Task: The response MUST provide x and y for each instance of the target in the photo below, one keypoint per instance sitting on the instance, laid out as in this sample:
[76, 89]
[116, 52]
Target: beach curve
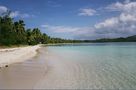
[15, 55]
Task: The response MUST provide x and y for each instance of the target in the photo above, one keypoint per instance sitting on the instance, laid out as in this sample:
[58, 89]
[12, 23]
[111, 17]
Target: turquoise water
[78, 66]
[95, 66]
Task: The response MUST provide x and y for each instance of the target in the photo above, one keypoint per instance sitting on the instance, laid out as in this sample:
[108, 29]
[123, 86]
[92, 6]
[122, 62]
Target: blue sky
[76, 19]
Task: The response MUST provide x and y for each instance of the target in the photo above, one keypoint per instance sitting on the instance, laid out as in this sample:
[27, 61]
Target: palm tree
[20, 32]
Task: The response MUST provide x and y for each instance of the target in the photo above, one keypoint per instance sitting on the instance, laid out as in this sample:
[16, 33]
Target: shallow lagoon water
[78, 66]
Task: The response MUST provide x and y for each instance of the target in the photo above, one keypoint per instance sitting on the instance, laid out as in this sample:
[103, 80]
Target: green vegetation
[15, 33]
[121, 39]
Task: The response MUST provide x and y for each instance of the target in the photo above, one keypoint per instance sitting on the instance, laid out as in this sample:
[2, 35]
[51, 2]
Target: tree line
[120, 39]
[14, 33]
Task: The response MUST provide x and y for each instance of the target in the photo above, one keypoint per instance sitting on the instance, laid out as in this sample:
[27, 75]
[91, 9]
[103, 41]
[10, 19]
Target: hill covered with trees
[121, 39]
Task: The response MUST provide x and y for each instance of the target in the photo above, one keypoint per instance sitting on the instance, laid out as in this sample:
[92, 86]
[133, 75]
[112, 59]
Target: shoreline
[19, 54]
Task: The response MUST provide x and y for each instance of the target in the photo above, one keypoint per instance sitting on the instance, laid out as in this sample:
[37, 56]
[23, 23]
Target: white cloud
[121, 25]
[107, 23]
[86, 12]
[26, 15]
[76, 32]
[127, 6]
[125, 17]
[44, 26]
[127, 1]
[3, 9]
[13, 14]
[124, 24]
[60, 29]
[22, 15]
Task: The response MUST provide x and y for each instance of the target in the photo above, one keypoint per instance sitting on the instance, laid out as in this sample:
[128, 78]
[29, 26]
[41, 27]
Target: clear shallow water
[98, 65]
[80, 66]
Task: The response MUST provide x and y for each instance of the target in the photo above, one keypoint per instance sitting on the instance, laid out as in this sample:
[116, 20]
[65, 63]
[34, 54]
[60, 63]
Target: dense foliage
[15, 33]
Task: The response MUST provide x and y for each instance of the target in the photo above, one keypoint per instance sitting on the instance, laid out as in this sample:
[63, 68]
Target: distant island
[121, 39]
[14, 33]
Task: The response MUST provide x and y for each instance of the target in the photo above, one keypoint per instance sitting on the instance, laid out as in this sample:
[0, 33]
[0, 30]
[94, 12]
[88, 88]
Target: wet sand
[44, 71]
[23, 75]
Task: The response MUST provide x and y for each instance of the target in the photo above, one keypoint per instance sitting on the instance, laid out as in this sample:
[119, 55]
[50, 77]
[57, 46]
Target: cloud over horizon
[119, 26]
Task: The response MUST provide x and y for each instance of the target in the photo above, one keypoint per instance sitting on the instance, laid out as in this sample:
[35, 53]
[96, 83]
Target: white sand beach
[19, 54]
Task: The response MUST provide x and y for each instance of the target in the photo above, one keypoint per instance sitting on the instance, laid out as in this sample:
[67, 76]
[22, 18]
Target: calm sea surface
[78, 66]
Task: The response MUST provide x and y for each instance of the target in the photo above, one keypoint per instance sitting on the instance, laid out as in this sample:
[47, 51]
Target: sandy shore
[14, 55]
